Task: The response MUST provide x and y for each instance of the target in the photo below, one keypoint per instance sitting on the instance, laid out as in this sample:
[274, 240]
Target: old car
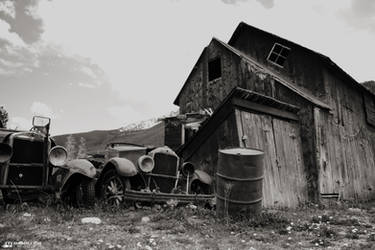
[32, 164]
[133, 172]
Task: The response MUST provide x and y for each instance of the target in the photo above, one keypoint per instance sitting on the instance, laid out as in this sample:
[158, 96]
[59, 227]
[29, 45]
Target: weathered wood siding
[285, 182]
[345, 143]
[302, 67]
[199, 93]
[257, 79]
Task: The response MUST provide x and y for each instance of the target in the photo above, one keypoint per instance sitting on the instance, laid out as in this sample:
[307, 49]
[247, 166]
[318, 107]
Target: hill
[97, 139]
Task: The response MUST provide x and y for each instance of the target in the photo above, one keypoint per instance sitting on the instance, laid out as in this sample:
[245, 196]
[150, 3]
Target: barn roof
[326, 60]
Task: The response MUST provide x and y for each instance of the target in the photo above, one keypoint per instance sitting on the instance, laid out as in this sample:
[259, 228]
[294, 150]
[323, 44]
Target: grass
[58, 226]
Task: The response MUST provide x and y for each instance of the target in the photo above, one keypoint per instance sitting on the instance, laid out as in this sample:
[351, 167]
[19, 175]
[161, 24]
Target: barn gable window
[214, 69]
[278, 54]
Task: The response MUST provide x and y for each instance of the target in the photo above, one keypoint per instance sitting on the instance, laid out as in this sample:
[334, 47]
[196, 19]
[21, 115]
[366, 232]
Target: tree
[82, 149]
[70, 146]
[3, 117]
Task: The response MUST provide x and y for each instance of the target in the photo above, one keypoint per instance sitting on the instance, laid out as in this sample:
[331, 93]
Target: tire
[84, 193]
[5, 197]
[11, 198]
[112, 188]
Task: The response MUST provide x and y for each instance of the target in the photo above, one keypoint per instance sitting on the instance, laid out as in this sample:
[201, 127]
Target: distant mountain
[370, 85]
[141, 125]
[150, 133]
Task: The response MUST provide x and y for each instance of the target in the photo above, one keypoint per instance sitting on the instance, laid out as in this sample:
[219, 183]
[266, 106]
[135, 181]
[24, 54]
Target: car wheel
[10, 198]
[113, 187]
[84, 193]
[5, 197]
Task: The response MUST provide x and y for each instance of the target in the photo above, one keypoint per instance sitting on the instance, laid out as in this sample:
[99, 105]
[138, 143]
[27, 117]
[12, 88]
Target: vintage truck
[137, 173]
[32, 164]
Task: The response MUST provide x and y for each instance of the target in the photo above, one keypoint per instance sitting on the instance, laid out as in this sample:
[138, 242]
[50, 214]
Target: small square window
[278, 54]
[214, 69]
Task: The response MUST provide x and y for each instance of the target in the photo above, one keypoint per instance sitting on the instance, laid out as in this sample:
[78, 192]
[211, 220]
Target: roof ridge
[327, 59]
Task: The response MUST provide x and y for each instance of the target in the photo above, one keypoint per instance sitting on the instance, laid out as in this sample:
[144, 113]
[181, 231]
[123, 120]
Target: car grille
[25, 151]
[26, 164]
[165, 165]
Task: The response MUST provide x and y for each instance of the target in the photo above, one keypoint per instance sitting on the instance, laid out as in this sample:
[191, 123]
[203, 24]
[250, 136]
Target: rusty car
[31, 164]
[137, 173]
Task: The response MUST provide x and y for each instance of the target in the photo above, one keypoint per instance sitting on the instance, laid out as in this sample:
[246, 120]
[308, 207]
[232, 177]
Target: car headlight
[188, 169]
[58, 156]
[146, 163]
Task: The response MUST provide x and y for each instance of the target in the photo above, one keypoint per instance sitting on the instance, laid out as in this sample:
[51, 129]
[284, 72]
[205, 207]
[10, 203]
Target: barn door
[284, 181]
[329, 172]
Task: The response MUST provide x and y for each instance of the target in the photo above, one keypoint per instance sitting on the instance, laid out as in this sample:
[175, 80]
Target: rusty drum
[239, 181]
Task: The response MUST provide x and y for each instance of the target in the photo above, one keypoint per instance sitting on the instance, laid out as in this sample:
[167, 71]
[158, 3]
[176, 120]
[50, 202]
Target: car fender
[165, 150]
[78, 168]
[202, 177]
[123, 166]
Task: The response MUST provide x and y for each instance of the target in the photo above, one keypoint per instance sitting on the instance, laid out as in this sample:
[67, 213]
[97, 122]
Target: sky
[104, 64]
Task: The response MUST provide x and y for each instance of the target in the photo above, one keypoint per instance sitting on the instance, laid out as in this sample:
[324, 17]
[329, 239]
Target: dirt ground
[37, 226]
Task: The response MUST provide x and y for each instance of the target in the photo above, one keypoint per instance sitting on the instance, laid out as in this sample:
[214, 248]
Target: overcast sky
[104, 64]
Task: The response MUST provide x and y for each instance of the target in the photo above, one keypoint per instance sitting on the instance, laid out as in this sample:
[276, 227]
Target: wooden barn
[314, 122]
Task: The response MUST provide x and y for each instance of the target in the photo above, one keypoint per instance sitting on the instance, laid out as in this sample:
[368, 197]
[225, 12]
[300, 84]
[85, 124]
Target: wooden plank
[264, 109]
[272, 187]
[241, 134]
[326, 185]
[289, 157]
[282, 164]
[258, 129]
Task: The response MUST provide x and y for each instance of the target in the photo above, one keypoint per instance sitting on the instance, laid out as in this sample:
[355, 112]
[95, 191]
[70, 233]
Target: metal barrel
[239, 181]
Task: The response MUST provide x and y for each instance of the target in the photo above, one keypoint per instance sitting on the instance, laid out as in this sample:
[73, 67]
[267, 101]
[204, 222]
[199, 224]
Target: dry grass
[60, 227]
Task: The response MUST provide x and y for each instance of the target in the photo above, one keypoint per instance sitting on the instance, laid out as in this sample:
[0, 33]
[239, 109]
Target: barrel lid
[241, 151]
